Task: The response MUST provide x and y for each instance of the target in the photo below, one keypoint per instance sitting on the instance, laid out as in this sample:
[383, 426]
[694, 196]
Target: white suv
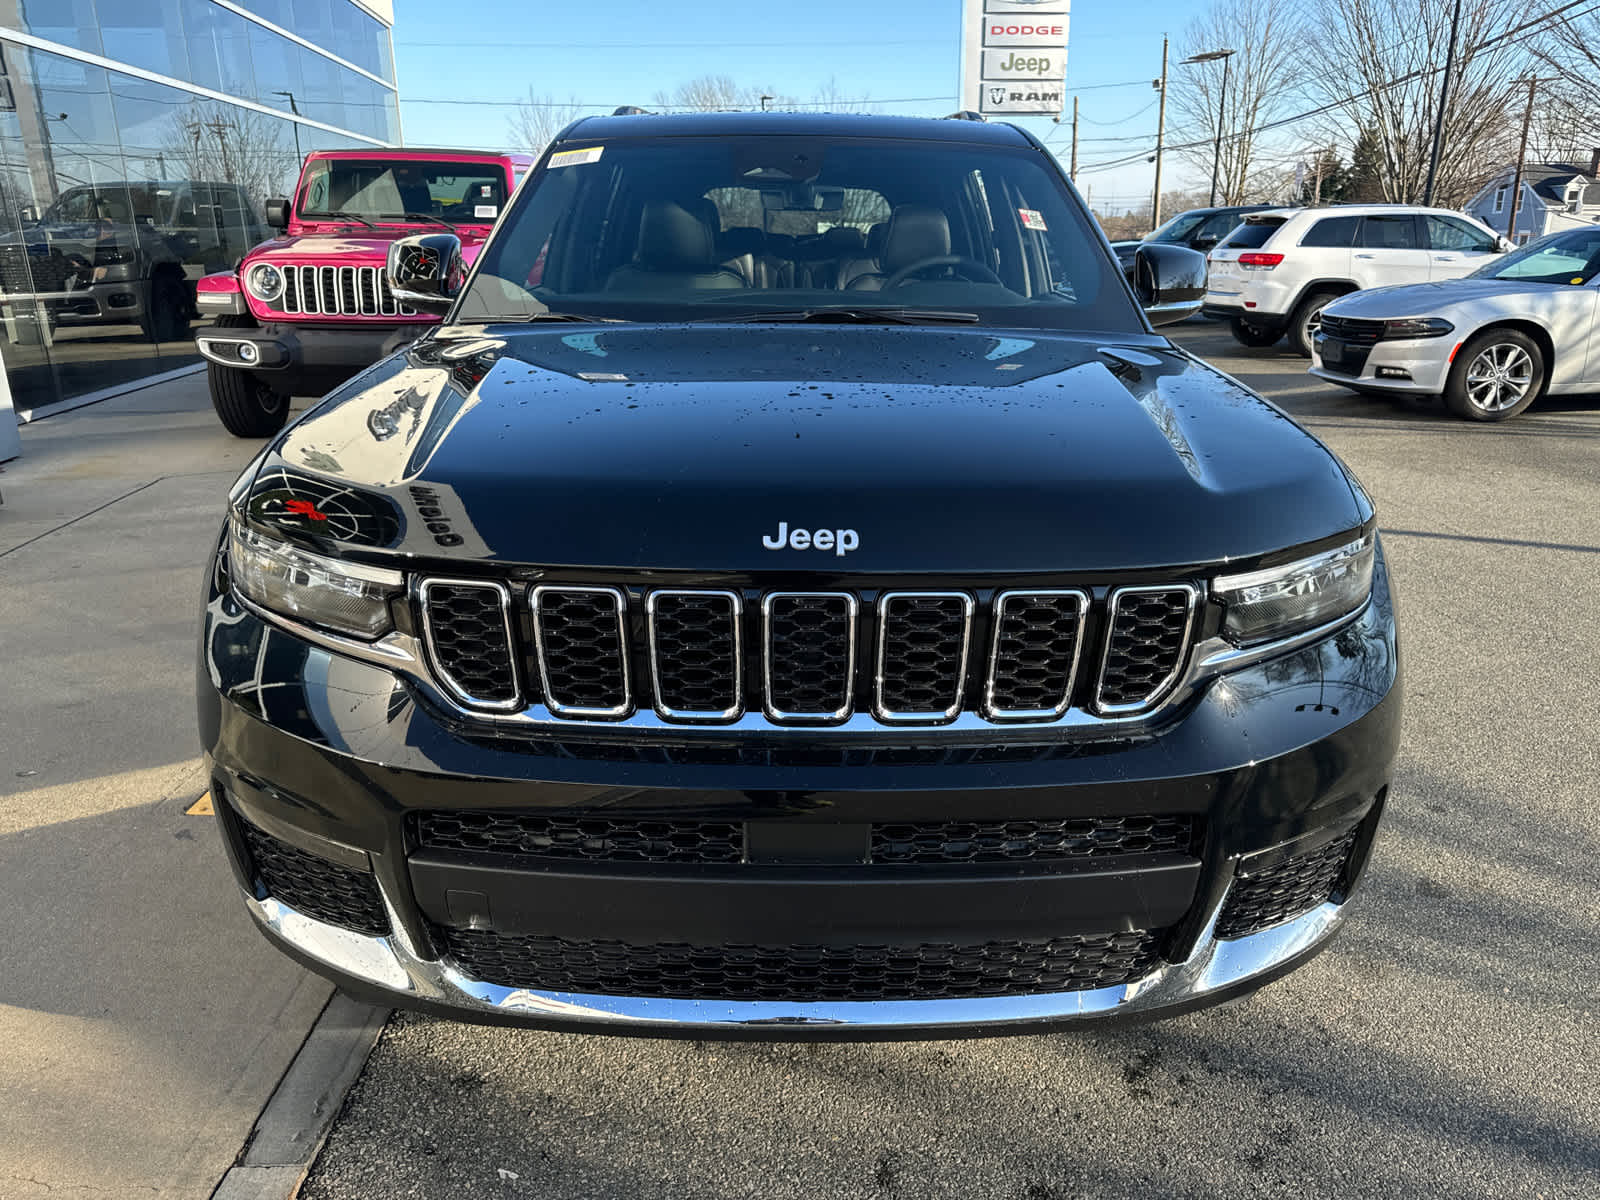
[1275, 273]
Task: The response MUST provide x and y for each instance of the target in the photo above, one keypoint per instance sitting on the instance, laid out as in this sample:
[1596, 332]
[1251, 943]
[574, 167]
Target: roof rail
[966, 114]
[631, 110]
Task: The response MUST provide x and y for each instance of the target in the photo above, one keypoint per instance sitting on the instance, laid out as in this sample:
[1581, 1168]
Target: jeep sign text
[840, 541]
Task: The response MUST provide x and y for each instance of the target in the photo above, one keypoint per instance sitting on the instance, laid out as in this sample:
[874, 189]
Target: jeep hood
[683, 447]
[347, 248]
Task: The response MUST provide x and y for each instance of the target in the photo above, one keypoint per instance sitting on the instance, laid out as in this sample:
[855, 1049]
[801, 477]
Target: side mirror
[278, 213]
[28, 214]
[1504, 245]
[1170, 281]
[426, 271]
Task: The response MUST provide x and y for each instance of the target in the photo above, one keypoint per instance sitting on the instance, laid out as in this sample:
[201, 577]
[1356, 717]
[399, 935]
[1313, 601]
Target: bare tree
[1380, 64]
[222, 143]
[1262, 74]
[1567, 123]
[720, 93]
[538, 119]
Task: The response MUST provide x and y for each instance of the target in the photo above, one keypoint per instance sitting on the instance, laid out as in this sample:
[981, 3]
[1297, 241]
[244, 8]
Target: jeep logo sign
[1014, 55]
[840, 541]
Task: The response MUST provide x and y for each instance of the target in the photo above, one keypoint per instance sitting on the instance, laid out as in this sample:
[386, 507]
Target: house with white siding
[1555, 196]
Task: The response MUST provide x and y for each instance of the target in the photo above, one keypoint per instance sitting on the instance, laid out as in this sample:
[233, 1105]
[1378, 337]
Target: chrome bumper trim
[392, 963]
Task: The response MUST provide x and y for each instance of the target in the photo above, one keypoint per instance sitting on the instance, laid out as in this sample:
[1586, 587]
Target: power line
[1375, 90]
[610, 104]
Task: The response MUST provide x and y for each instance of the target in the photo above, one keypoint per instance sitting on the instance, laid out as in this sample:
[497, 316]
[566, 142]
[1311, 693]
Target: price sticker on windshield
[1032, 219]
[576, 158]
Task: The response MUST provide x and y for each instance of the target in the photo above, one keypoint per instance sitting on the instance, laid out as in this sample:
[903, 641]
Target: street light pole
[1222, 112]
[295, 109]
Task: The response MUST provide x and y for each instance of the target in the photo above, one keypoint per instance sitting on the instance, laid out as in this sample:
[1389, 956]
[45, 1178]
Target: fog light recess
[1393, 373]
[248, 352]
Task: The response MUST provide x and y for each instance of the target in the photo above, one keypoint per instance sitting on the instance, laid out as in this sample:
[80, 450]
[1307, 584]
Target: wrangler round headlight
[344, 597]
[265, 282]
[1278, 602]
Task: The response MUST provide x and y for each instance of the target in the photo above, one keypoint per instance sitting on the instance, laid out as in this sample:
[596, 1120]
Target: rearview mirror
[1170, 281]
[278, 213]
[1206, 242]
[426, 271]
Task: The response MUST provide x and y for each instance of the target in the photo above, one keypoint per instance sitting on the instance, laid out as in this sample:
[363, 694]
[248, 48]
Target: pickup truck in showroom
[796, 591]
[306, 310]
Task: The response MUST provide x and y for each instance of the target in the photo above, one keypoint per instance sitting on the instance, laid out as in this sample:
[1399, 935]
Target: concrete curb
[296, 1120]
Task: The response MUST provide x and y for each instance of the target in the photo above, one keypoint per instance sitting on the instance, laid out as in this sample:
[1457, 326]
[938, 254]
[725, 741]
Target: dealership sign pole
[1014, 56]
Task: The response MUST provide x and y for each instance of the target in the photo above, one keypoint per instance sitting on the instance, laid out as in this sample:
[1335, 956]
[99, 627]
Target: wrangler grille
[715, 655]
[339, 292]
[914, 971]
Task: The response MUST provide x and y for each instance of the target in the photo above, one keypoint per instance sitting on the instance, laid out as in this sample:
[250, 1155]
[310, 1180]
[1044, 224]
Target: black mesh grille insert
[925, 971]
[314, 886]
[1030, 841]
[581, 650]
[1036, 643]
[922, 653]
[1144, 646]
[810, 644]
[593, 839]
[695, 648]
[1353, 329]
[466, 626]
[1259, 900]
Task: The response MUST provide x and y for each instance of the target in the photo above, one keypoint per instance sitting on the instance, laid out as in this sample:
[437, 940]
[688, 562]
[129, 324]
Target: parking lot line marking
[201, 807]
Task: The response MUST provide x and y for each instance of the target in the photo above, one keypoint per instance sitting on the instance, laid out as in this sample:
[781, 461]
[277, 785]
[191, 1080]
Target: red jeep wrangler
[307, 310]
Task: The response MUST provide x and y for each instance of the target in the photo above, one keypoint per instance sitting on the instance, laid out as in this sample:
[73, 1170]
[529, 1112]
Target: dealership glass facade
[139, 141]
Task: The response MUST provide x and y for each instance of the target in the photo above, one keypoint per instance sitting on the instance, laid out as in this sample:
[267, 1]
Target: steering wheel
[975, 271]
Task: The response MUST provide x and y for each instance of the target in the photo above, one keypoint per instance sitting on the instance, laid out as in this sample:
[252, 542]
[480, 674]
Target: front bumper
[322, 355]
[1425, 361]
[338, 759]
[111, 302]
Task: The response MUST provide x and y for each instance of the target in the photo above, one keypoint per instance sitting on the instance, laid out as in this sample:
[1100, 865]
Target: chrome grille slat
[338, 291]
[1146, 641]
[808, 656]
[696, 653]
[581, 640]
[928, 635]
[470, 641]
[1034, 653]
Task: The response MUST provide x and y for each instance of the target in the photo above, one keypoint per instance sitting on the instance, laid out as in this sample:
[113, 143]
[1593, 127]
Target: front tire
[247, 407]
[1307, 319]
[1496, 376]
[1250, 335]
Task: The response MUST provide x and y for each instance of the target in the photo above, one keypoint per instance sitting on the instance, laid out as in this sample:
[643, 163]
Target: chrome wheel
[1499, 377]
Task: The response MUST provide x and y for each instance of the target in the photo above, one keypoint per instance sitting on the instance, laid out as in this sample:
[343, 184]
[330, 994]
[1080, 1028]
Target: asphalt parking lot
[1446, 1045]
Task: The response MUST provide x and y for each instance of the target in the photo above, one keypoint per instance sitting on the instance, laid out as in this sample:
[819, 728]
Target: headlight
[265, 282]
[1417, 327]
[341, 596]
[1280, 601]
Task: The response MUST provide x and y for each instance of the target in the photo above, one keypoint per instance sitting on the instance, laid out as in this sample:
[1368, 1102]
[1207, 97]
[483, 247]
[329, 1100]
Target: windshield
[700, 228]
[1571, 258]
[386, 191]
[1178, 229]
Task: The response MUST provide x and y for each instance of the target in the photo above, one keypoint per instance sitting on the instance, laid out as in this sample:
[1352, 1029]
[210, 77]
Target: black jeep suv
[795, 593]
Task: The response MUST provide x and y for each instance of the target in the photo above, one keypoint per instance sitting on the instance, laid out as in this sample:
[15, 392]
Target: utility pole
[1073, 173]
[1522, 155]
[1316, 188]
[1161, 133]
[1444, 96]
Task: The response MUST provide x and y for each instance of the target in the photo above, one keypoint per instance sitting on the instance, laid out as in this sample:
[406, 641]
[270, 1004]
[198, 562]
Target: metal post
[1073, 173]
[1222, 113]
[1444, 96]
[1522, 155]
[1161, 133]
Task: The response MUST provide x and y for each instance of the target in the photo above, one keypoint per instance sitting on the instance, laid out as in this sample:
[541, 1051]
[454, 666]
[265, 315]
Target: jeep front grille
[713, 656]
[339, 292]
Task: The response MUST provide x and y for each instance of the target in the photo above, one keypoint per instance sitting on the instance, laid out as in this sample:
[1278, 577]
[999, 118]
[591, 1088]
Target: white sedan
[1520, 327]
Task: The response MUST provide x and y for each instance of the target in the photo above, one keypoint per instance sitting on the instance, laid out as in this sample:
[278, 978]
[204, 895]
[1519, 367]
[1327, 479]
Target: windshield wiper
[430, 217]
[854, 316]
[341, 216]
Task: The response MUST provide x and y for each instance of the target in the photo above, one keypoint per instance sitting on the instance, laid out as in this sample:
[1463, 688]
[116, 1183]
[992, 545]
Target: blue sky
[904, 53]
